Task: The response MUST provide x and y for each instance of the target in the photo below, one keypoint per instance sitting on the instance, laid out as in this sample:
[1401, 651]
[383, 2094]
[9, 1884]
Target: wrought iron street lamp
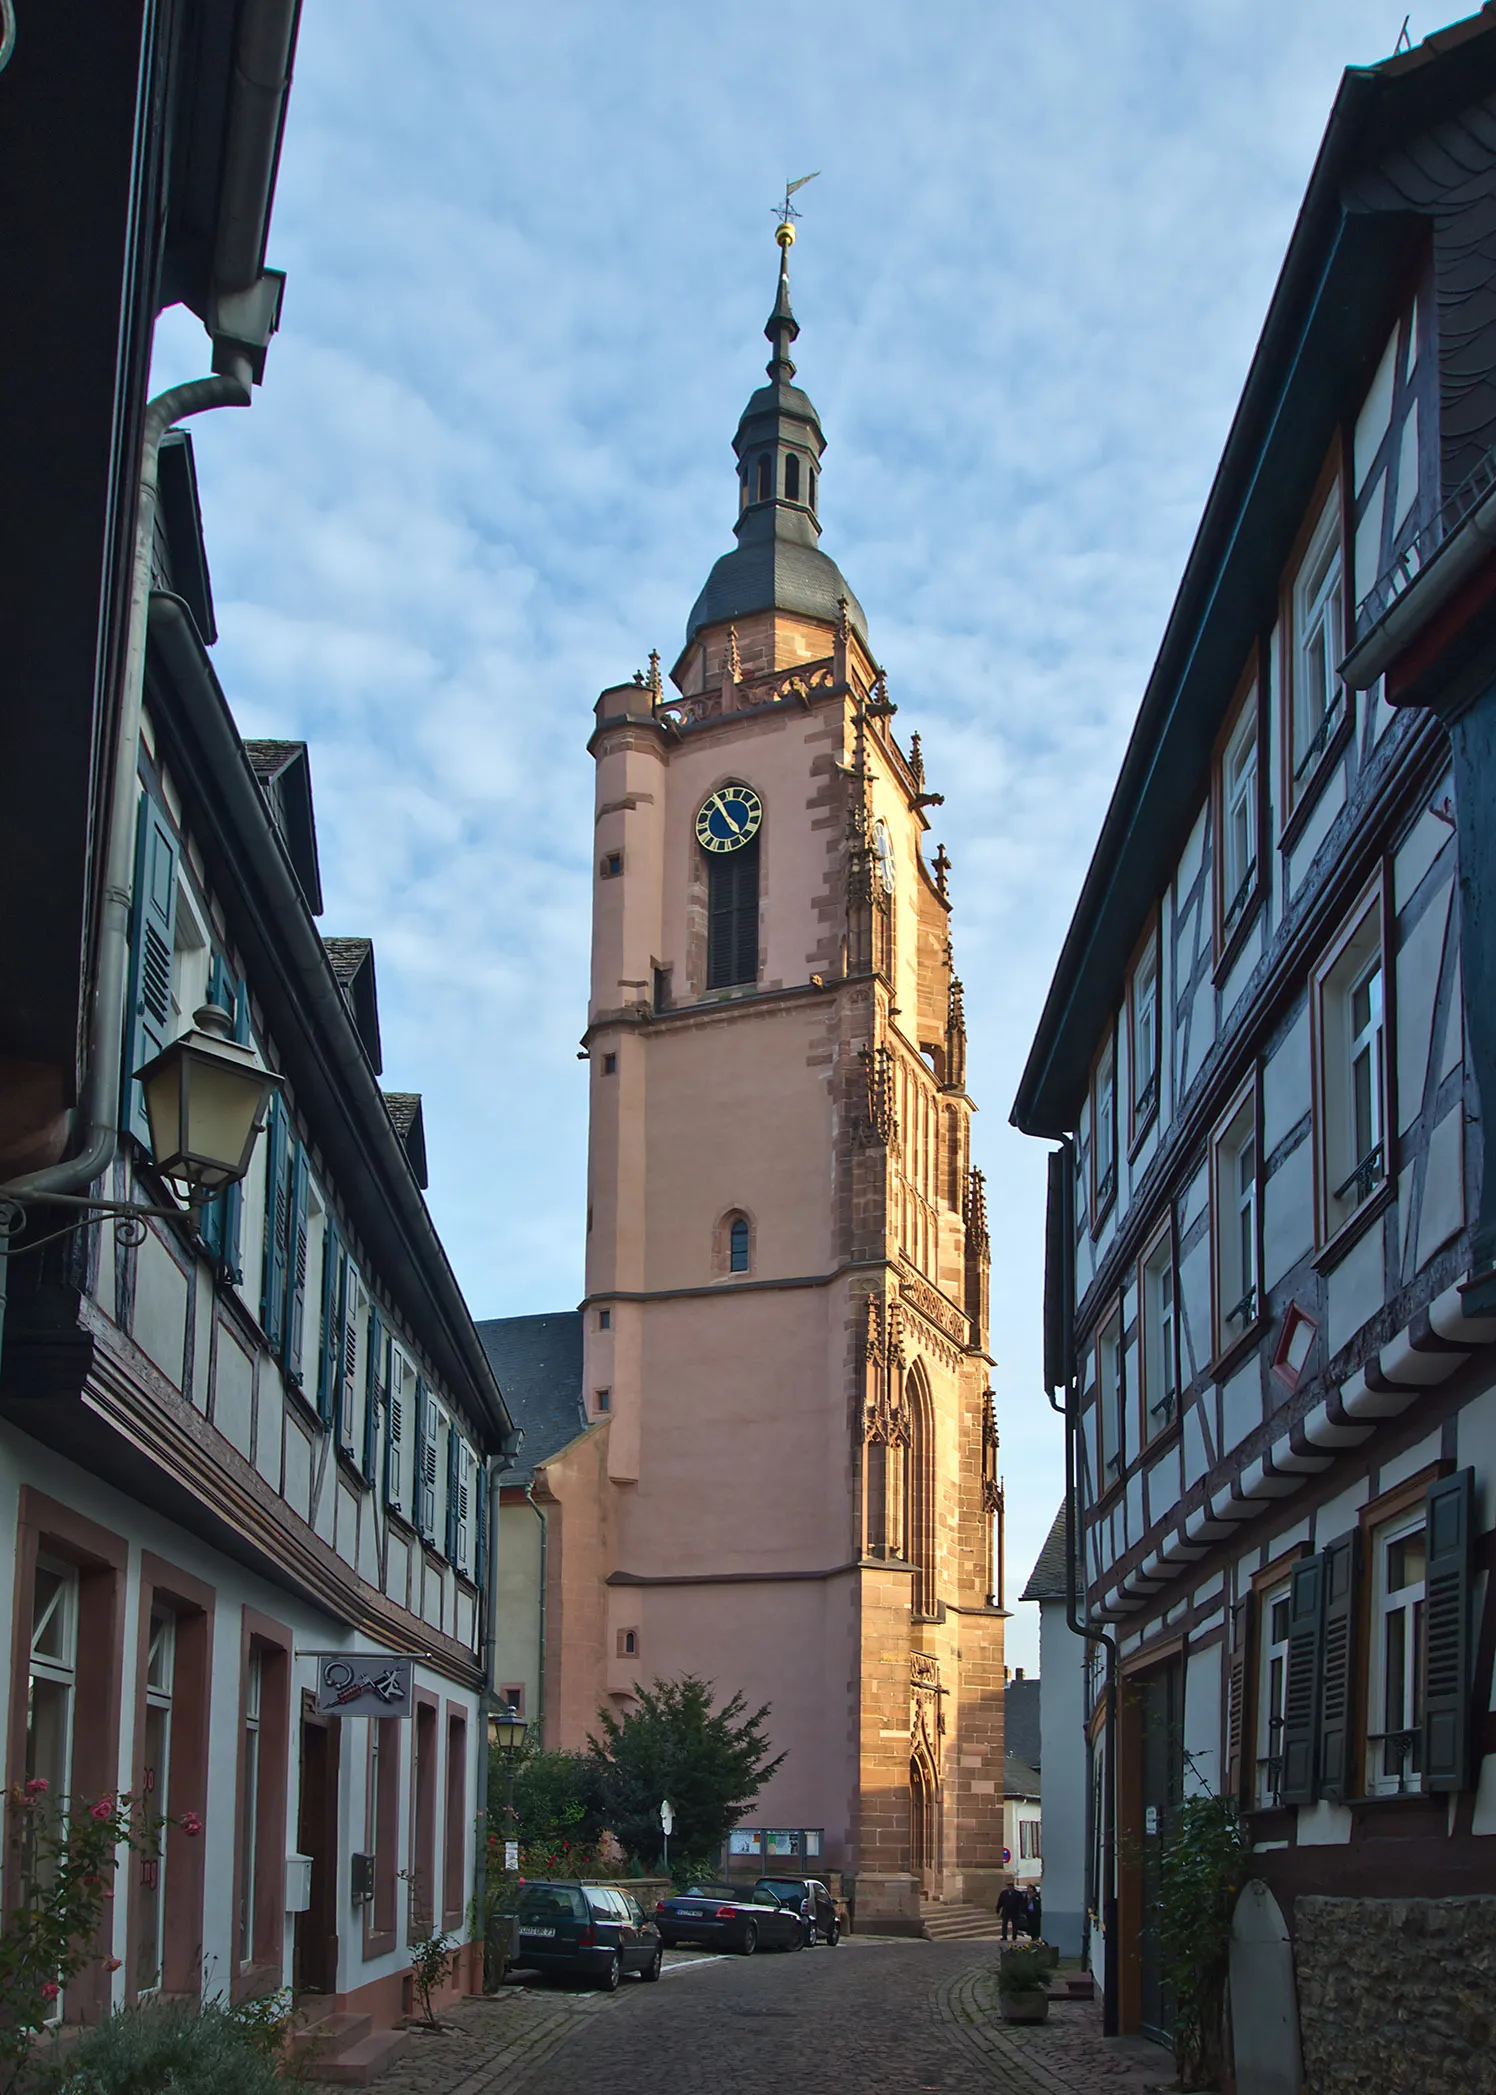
[508, 1734]
[205, 1100]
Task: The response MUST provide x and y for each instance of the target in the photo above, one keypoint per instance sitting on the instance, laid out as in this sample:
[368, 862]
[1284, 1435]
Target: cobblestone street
[871, 2018]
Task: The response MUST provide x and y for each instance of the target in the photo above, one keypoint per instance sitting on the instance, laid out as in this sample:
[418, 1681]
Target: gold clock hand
[735, 827]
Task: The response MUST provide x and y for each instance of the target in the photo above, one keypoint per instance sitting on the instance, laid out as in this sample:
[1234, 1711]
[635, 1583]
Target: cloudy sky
[530, 255]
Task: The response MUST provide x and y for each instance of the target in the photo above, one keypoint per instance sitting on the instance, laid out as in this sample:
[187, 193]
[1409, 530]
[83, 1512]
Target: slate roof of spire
[777, 564]
[537, 1362]
[1047, 1579]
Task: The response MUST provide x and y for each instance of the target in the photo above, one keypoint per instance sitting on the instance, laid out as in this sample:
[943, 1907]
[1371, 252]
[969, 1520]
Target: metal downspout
[545, 1539]
[1069, 1411]
[99, 1106]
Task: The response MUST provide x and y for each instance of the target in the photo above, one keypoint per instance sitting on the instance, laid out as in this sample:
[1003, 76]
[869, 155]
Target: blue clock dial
[729, 819]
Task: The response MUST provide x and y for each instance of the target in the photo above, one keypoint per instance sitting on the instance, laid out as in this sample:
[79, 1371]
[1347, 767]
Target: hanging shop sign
[363, 1684]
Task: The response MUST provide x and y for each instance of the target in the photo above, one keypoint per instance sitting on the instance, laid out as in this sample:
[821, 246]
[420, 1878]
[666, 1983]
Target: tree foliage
[1202, 1867]
[558, 1812]
[711, 1764]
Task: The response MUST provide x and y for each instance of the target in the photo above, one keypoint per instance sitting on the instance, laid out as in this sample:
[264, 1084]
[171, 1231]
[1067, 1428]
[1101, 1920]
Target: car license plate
[693, 1912]
[537, 1931]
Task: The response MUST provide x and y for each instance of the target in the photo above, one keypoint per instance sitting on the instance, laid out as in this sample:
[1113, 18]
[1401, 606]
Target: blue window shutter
[1337, 1671]
[1449, 1581]
[277, 1226]
[296, 1252]
[374, 1384]
[425, 1464]
[454, 1489]
[330, 1351]
[480, 1510]
[396, 1429]
[152, 938]
[1306, 1598]
[348, 1364]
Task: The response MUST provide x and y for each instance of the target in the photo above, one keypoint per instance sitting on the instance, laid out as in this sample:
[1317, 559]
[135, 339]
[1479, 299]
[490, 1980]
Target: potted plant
[1023, 1984]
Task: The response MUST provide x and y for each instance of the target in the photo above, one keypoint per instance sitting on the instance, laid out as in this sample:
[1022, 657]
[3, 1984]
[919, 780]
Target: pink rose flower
[112, 1963]
[51, 1990]
[192, 1825]
[104, 1809]
[37, 1786]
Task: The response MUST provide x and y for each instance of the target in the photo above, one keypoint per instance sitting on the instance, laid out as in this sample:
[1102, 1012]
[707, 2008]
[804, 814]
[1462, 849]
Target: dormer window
[791, 478]
[765, 478]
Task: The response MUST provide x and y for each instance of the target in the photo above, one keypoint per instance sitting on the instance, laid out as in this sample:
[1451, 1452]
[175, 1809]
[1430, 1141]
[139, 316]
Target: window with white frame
[249, 1807]
[1239, 818]
[1394, 1718]
[156, 1781]
[400, 1430]
[1029, 1849]
[1111, 1452]
[1272, 1685]
[1160, 1339]
[52, 1693]
[1238, 1303]
[1104, 1127]
[1353, 1073]
[1143, 1010]
[1318, 642]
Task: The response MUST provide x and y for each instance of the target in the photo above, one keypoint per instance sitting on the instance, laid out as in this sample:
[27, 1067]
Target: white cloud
[528, 264]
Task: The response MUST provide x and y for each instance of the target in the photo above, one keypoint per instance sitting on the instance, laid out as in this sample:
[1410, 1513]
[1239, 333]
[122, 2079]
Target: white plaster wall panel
[1192, 1443]
[1137, 1519]
[1288, 1214]
[324, 1490]
[160, 1326]
[1316, 829]
[1405, 1218]
[1192, 1200]
[1285, 1083]
[1484, 1819]
[1353, 1289]
[1453, 1053]
[1163, 1479]
[1385, 715]
[1408, 1463]
[397, 1568]
[1193, 854]
[1369, 537]
[345, 1532]
[1215, 1620]
[270, 1423]
[1212, 1589]
[1417, 988]
[1241, 1405]
[1283, 1539]
[1202, 1029]
[1407, 469]
[1241, 969]
[431, 1597]
[1194, 1302]
[1147, 1149]
[1443, 1209]
[1372, 424]
[1475, 1426]
[467, 1617]
[297, 1491]
[1324, 1825]
[205, 1311]
[233, 1392]
[368, 1542]
[1417, 852]
[1338, 1514]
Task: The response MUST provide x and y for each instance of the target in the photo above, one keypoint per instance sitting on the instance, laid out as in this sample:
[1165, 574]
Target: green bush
[170, 2048]
[1023, 1971]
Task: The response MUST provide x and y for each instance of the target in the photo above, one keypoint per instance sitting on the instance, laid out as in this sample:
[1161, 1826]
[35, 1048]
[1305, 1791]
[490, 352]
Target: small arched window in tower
[791, 478]
[737, 1245]
[732, 917]
[765, 477]
[810, 474]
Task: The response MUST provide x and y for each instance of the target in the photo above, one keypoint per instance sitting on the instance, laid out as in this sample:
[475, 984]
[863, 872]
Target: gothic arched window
[765, 477]
[732, 917]
[737, 1245]
[810, 474]
[919, 1491]
[791, 478]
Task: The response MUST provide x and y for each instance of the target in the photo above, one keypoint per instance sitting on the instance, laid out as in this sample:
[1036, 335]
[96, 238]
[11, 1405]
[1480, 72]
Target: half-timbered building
[1269, 1294]
[239, 1438]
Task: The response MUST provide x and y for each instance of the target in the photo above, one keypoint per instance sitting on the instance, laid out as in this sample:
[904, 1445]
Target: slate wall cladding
[1397, 1996]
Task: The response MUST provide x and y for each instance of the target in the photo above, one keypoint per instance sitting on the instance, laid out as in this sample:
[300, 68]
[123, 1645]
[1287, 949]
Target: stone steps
[343, 2048]
[957, 1923]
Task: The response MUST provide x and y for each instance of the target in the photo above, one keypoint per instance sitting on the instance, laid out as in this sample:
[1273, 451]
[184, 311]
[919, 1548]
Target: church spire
[782, 328]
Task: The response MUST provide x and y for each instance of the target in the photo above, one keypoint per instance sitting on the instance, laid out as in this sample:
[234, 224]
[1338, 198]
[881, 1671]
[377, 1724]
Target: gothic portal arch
[924, 1818]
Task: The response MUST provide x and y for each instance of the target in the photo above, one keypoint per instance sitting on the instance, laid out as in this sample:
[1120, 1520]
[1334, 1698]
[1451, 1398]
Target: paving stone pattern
[870, 2018]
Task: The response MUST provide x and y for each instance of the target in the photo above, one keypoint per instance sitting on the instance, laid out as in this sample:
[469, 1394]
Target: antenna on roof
[1404, 40]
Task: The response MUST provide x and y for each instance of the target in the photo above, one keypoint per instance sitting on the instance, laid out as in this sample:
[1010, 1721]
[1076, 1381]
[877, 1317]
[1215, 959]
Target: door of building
[315, 1954]
[1160, 1712]
[921, 1826]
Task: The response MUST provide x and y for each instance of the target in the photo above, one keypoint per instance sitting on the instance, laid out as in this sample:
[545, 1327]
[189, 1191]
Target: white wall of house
[1062, 1732]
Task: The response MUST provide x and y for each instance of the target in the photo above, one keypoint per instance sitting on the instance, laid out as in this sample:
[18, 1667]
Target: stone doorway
[922, 1825]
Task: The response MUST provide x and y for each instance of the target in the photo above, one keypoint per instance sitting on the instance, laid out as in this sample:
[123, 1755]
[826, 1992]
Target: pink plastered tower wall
[799, 1461]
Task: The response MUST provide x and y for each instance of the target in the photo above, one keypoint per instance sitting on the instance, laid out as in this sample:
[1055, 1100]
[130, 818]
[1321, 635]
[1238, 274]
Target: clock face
[728, 820]
[883, 845]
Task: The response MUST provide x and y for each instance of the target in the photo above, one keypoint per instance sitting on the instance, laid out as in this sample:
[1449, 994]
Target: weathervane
[786, 212]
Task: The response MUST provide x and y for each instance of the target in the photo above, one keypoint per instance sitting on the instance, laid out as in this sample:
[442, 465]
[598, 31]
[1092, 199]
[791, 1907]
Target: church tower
[786, 1308]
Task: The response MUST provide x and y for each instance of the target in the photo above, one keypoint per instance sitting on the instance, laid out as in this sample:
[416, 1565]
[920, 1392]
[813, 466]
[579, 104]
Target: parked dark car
[813, 1902]
[585, 1931]
[721, 1917]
